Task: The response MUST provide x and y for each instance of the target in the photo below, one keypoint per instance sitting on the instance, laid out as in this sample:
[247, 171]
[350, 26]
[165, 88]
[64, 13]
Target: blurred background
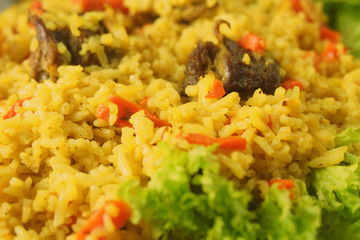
[343, 15]
[5, 3]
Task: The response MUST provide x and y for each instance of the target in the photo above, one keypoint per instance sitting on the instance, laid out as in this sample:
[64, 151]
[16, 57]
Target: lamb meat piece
[226, 62]
[239, 76]
[45, 60]
[200, 60]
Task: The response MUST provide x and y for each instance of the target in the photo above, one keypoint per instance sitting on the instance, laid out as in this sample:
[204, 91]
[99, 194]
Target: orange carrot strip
[157, 121]
[36, 8]
[330, 53]
[253, 43]
[11, 113]
[99, 5]
[194, 138]
[291, 83]
[145, 100]
[228, 122]
[97, 219]
[296, 5]
[125, 110]
[232, 143]
[283, 184]
[269, 123]
[217, 90]
[327, 33]
[103, 112]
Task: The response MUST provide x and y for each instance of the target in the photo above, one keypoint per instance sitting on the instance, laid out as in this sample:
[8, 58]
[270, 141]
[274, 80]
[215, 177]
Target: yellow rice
[58, 160]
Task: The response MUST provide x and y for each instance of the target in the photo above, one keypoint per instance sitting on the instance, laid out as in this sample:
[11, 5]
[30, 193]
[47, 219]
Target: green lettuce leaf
[338, 192]
[188, 198]
[338, 187]
[283, 218]
[349, 135]
[336, 227]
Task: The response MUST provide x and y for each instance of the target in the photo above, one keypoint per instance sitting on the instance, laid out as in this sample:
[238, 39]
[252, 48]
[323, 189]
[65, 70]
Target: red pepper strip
[97, 219]
[227, 143]
[283, 184]
[99, 5]
[125, 110]
[253, 43]
[36, 8]
[269, 123]
[291, 83]
[330, 53]
[217, 90]
[11, 113]
[327, 33]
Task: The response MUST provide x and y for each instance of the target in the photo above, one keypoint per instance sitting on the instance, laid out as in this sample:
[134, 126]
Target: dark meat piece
[238, 76]
[200, 60]
[45, 60]
[226, 61]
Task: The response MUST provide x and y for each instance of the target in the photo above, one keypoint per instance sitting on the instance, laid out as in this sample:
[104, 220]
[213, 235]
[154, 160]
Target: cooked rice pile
[59, 162]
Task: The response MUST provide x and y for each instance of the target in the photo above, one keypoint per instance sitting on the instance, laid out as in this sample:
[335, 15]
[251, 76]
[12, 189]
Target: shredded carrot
[330, 53]
[253, 43]
[297, 6]
[217, 90]
[228, 122]
[11, 113]
[283, 184]
[157, 121]
[97, 219]
[125, 110]
[291, 83]
[99, 5]
[145, 100]
[31, 25]
[103, 112]
[269, 123]
[231, 143]
[327, 33]
[36, 8]
[199, 139]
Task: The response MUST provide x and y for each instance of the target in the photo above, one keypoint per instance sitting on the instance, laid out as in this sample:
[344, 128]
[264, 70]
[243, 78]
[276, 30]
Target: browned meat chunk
[237, 75]
[200, 60]
[45, 60]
